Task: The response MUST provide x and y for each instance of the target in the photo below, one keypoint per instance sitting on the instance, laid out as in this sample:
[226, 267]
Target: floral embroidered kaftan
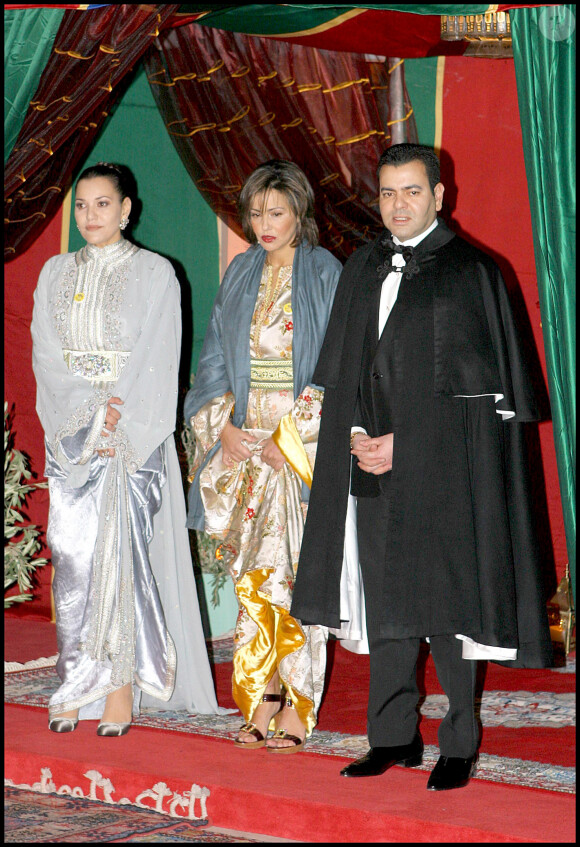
[258, 514]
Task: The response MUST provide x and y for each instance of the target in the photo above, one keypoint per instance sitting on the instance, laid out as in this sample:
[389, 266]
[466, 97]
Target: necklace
[270, 296]
[272, 291]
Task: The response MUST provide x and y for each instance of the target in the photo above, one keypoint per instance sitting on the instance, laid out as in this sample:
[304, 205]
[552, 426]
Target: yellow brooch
[288, 309]
[79, 297]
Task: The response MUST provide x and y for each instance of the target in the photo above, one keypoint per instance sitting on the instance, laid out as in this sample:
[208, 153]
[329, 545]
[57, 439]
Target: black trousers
[393, 692]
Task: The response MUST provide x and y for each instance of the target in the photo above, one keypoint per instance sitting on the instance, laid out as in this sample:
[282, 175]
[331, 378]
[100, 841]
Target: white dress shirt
[390, 288]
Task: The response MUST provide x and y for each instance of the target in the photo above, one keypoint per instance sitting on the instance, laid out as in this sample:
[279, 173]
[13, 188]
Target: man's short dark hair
[402, 154]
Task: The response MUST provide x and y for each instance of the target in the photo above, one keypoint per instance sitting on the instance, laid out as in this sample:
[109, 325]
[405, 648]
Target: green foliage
[209, 563]
[206, 545]
[20, 542]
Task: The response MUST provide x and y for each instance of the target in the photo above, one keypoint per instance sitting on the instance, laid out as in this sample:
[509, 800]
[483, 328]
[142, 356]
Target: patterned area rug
[48, 818]
[33, 686]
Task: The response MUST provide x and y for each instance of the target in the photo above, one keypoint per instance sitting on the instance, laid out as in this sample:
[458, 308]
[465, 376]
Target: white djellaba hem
[352, 632]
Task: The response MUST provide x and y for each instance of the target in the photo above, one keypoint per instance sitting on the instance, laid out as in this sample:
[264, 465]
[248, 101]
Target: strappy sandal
[297, 743]
[252, 729]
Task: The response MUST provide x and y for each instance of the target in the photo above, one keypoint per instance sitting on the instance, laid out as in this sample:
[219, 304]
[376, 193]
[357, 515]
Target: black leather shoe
[451, 772]
[380, 759]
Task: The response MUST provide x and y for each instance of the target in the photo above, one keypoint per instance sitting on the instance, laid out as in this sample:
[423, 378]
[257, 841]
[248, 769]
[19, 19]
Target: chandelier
[488, 34]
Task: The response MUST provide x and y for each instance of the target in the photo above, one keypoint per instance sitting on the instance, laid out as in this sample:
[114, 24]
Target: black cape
[462, 556]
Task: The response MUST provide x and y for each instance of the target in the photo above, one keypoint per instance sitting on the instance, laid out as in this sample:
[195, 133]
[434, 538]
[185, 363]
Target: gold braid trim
[343, 85]
[73, 55]
[399, 120]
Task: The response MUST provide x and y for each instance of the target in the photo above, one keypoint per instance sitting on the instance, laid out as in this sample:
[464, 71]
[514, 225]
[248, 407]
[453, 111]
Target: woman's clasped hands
[235, 448]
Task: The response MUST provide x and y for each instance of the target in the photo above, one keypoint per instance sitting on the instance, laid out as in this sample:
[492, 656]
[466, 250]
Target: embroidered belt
[102, 365]
[271, 373]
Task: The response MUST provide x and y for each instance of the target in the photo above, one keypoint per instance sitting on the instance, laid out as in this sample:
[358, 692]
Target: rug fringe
[11, 667]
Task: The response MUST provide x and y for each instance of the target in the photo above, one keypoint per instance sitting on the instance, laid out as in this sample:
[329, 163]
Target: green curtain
[544, 47]
[175, 220]
[28, 38]
[421, 82]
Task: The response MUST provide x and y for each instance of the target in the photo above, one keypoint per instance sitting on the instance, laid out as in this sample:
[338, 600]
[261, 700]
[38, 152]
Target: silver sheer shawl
[107, 322]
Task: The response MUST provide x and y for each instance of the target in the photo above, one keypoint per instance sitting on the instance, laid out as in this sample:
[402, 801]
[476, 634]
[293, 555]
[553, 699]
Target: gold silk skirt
[258, 514]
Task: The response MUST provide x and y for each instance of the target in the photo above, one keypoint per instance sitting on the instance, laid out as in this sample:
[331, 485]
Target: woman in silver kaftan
[106, 335]
[255, 416]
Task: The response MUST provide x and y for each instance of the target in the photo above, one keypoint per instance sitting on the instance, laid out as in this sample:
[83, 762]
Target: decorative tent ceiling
[387, 29]
[384, 29]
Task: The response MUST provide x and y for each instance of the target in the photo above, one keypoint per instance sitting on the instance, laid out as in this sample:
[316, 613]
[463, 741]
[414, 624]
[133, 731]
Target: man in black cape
[426, 387]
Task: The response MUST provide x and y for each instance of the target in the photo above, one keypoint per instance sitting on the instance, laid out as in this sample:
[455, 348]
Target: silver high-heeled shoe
[108, 728]
[62, 724]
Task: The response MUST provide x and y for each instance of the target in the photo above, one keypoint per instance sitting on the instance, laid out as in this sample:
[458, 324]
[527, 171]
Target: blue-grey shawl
[224, 363]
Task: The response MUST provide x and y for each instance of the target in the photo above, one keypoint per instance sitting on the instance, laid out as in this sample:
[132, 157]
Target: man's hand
[375, 455]
[233, 449]
[272, 455]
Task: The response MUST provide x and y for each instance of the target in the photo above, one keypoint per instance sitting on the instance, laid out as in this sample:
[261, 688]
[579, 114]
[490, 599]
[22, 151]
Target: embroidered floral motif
[243, 622]
[207, 426]
[63, 301]
[116, 287]
[272, 529]
[250, 488]
[304, 408]
[284, 352]
[287, 583]
[130, 457]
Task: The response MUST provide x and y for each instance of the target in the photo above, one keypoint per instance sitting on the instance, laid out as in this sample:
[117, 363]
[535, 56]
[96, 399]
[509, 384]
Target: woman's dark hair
[292, 182]
[120, 176]
[402, 154]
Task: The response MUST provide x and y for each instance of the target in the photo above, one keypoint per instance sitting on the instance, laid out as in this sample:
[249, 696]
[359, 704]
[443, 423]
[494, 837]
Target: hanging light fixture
[488, 34]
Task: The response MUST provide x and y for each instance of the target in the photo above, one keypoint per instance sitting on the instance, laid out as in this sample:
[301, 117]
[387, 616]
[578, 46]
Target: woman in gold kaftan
[255, 415]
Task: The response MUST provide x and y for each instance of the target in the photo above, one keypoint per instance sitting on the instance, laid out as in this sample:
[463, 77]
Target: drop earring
[124, 222]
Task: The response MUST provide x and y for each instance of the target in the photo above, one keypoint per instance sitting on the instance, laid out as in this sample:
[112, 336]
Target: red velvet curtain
[93, 51]
[231, 102]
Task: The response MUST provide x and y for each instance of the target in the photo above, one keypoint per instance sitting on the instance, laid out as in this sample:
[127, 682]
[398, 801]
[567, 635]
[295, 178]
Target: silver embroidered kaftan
[107, 323]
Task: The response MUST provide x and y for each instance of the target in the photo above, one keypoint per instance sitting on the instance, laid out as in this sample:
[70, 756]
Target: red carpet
[303, 797]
